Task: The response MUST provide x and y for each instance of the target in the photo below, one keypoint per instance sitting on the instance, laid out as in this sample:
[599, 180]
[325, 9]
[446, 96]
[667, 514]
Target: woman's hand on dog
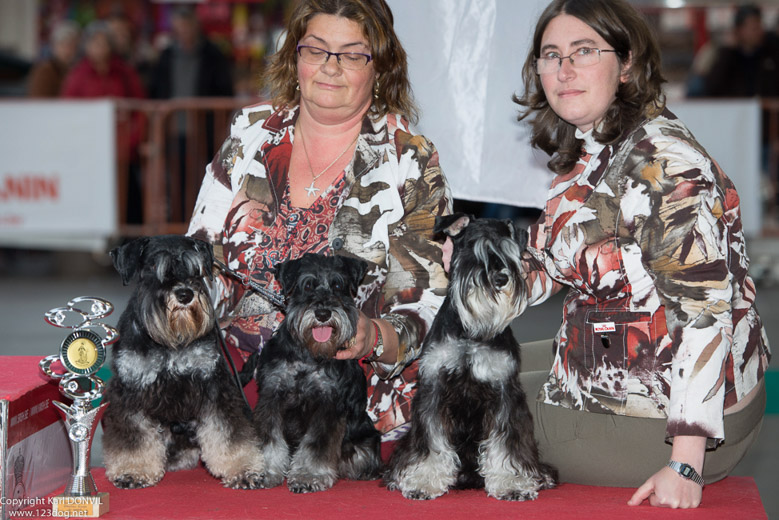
[362, 343]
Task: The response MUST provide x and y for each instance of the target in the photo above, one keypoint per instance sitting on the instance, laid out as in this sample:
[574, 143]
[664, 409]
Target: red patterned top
[293, 233]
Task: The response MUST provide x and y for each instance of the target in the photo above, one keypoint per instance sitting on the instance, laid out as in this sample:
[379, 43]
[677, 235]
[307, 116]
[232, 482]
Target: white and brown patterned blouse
[383, 210]
[660, 317]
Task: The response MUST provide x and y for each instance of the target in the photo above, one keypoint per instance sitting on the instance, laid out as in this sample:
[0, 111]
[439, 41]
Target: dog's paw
[309, 483]
[270, 480]
[418, 494]
[248, 480]
[516, 495]
[128, 481]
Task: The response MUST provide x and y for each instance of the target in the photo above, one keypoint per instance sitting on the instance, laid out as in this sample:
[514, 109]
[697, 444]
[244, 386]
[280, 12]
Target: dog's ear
[519, 234]
[206, 252]
[356, 267]
[127, 258]
[286, 273]
[453, 224]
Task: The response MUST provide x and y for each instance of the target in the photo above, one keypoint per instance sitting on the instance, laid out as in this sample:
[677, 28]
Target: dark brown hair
[389, 57]
[628, 33]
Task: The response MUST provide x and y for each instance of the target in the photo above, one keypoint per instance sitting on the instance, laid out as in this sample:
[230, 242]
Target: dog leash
[272, 296]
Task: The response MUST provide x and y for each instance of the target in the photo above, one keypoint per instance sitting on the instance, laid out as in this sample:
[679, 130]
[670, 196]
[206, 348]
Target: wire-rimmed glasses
[348, 60]
[551, 62]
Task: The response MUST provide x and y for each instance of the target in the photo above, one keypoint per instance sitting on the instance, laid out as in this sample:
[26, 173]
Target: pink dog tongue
[322, 334]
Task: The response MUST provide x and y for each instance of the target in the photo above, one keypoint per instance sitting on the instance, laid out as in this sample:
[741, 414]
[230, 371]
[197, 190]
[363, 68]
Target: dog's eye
[338, 285]
[308, 285]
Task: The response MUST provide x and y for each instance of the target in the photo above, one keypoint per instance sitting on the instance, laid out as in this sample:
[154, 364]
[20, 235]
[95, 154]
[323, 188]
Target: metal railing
[169, 143]
[162, 158]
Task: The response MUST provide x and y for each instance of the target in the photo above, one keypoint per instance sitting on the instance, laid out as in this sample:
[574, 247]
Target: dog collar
[686, 471]
[378, 344]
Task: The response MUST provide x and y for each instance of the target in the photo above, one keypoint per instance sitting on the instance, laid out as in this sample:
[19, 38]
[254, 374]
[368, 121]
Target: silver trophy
[81, 354]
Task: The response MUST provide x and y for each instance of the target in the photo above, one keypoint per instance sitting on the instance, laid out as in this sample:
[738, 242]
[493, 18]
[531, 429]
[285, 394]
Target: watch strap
[378, 343]
[686, 471]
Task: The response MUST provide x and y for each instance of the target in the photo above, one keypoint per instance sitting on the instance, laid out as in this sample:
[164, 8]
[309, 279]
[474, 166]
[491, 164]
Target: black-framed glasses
[348, 60]
[551, 62]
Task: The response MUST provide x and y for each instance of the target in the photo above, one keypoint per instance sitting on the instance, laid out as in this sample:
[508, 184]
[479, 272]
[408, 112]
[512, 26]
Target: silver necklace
[313, 189]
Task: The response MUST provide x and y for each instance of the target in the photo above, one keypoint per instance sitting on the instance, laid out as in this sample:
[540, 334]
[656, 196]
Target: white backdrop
[57, 174]
[465, 62]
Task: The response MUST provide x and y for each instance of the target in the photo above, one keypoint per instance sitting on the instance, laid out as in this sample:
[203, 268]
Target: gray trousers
[614, 450]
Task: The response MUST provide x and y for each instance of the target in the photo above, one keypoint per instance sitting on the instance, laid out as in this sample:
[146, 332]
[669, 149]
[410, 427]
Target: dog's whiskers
[470, 356]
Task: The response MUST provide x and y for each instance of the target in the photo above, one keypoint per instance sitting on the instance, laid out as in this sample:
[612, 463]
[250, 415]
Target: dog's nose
[184, 296]
[322, 315]
[499, 280]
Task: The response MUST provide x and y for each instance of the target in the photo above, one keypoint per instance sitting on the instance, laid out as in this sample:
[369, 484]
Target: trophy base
[68, 506]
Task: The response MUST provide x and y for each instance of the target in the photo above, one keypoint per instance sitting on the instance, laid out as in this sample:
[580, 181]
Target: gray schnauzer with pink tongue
[311, 413]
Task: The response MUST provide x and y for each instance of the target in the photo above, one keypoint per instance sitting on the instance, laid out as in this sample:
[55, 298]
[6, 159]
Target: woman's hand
[362, 342]
[667, 488]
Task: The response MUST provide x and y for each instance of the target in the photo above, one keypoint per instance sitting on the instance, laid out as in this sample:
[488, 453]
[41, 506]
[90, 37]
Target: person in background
[47, 76]
[102, 74]
[332, 166]
[749, 66]
[191, 66]
[136, 51]
[656, 375]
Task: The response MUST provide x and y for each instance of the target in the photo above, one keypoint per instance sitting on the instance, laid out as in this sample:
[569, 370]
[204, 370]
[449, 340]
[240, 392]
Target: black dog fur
[311, 414]
[471, 425]
[172, 399]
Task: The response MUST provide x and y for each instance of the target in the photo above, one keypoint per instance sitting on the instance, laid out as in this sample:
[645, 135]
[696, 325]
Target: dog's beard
[485, 310]
[322, 339]
[174, 324]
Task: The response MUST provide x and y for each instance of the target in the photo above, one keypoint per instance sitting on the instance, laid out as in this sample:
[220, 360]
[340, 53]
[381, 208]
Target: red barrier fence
[164, 147]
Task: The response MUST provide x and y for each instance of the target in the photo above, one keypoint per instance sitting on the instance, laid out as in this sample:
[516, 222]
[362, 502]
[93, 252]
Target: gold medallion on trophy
[82, 352]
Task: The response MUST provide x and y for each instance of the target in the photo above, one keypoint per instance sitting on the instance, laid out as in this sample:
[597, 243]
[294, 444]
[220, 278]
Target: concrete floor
[32, 283]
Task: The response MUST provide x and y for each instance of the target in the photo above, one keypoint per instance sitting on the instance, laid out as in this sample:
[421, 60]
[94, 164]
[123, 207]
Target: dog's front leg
[134, 450]
[508, 458]
[229, 447]
[424, 465]
[268, 423]
[315, 463]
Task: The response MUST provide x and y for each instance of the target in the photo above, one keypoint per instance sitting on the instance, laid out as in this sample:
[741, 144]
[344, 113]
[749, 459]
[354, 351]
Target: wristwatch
[686, 471]
[378, 344]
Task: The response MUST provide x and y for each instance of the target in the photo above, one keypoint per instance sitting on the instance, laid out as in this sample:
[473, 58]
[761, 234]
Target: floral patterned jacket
[394, 190]
[660, 317]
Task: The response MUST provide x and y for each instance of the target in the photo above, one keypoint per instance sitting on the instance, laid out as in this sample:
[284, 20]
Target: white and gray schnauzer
[311, 413]
[470, 424]
[172, 399]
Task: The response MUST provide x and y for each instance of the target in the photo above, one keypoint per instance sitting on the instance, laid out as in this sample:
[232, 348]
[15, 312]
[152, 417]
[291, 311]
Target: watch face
[83, 352]
[686, 470]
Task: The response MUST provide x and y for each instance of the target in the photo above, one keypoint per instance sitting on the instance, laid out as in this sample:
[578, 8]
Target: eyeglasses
[347, 60]
[584, 57]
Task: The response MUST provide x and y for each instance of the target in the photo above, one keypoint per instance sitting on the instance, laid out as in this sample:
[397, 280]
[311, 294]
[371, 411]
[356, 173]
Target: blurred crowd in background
[145, 49]
[140, 48]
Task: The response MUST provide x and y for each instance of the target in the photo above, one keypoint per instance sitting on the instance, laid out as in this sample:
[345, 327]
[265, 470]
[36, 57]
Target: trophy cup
[82, 353]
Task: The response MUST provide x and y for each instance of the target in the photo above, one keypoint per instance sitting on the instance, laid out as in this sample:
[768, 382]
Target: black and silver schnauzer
[470, 424]
[172, 399]
[311, 413]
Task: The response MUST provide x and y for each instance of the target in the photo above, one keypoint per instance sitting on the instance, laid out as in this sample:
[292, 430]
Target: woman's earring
[376, 90]
[297, 86]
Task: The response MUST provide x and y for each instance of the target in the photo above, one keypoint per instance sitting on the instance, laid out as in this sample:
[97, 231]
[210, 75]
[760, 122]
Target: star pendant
[312, 189]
